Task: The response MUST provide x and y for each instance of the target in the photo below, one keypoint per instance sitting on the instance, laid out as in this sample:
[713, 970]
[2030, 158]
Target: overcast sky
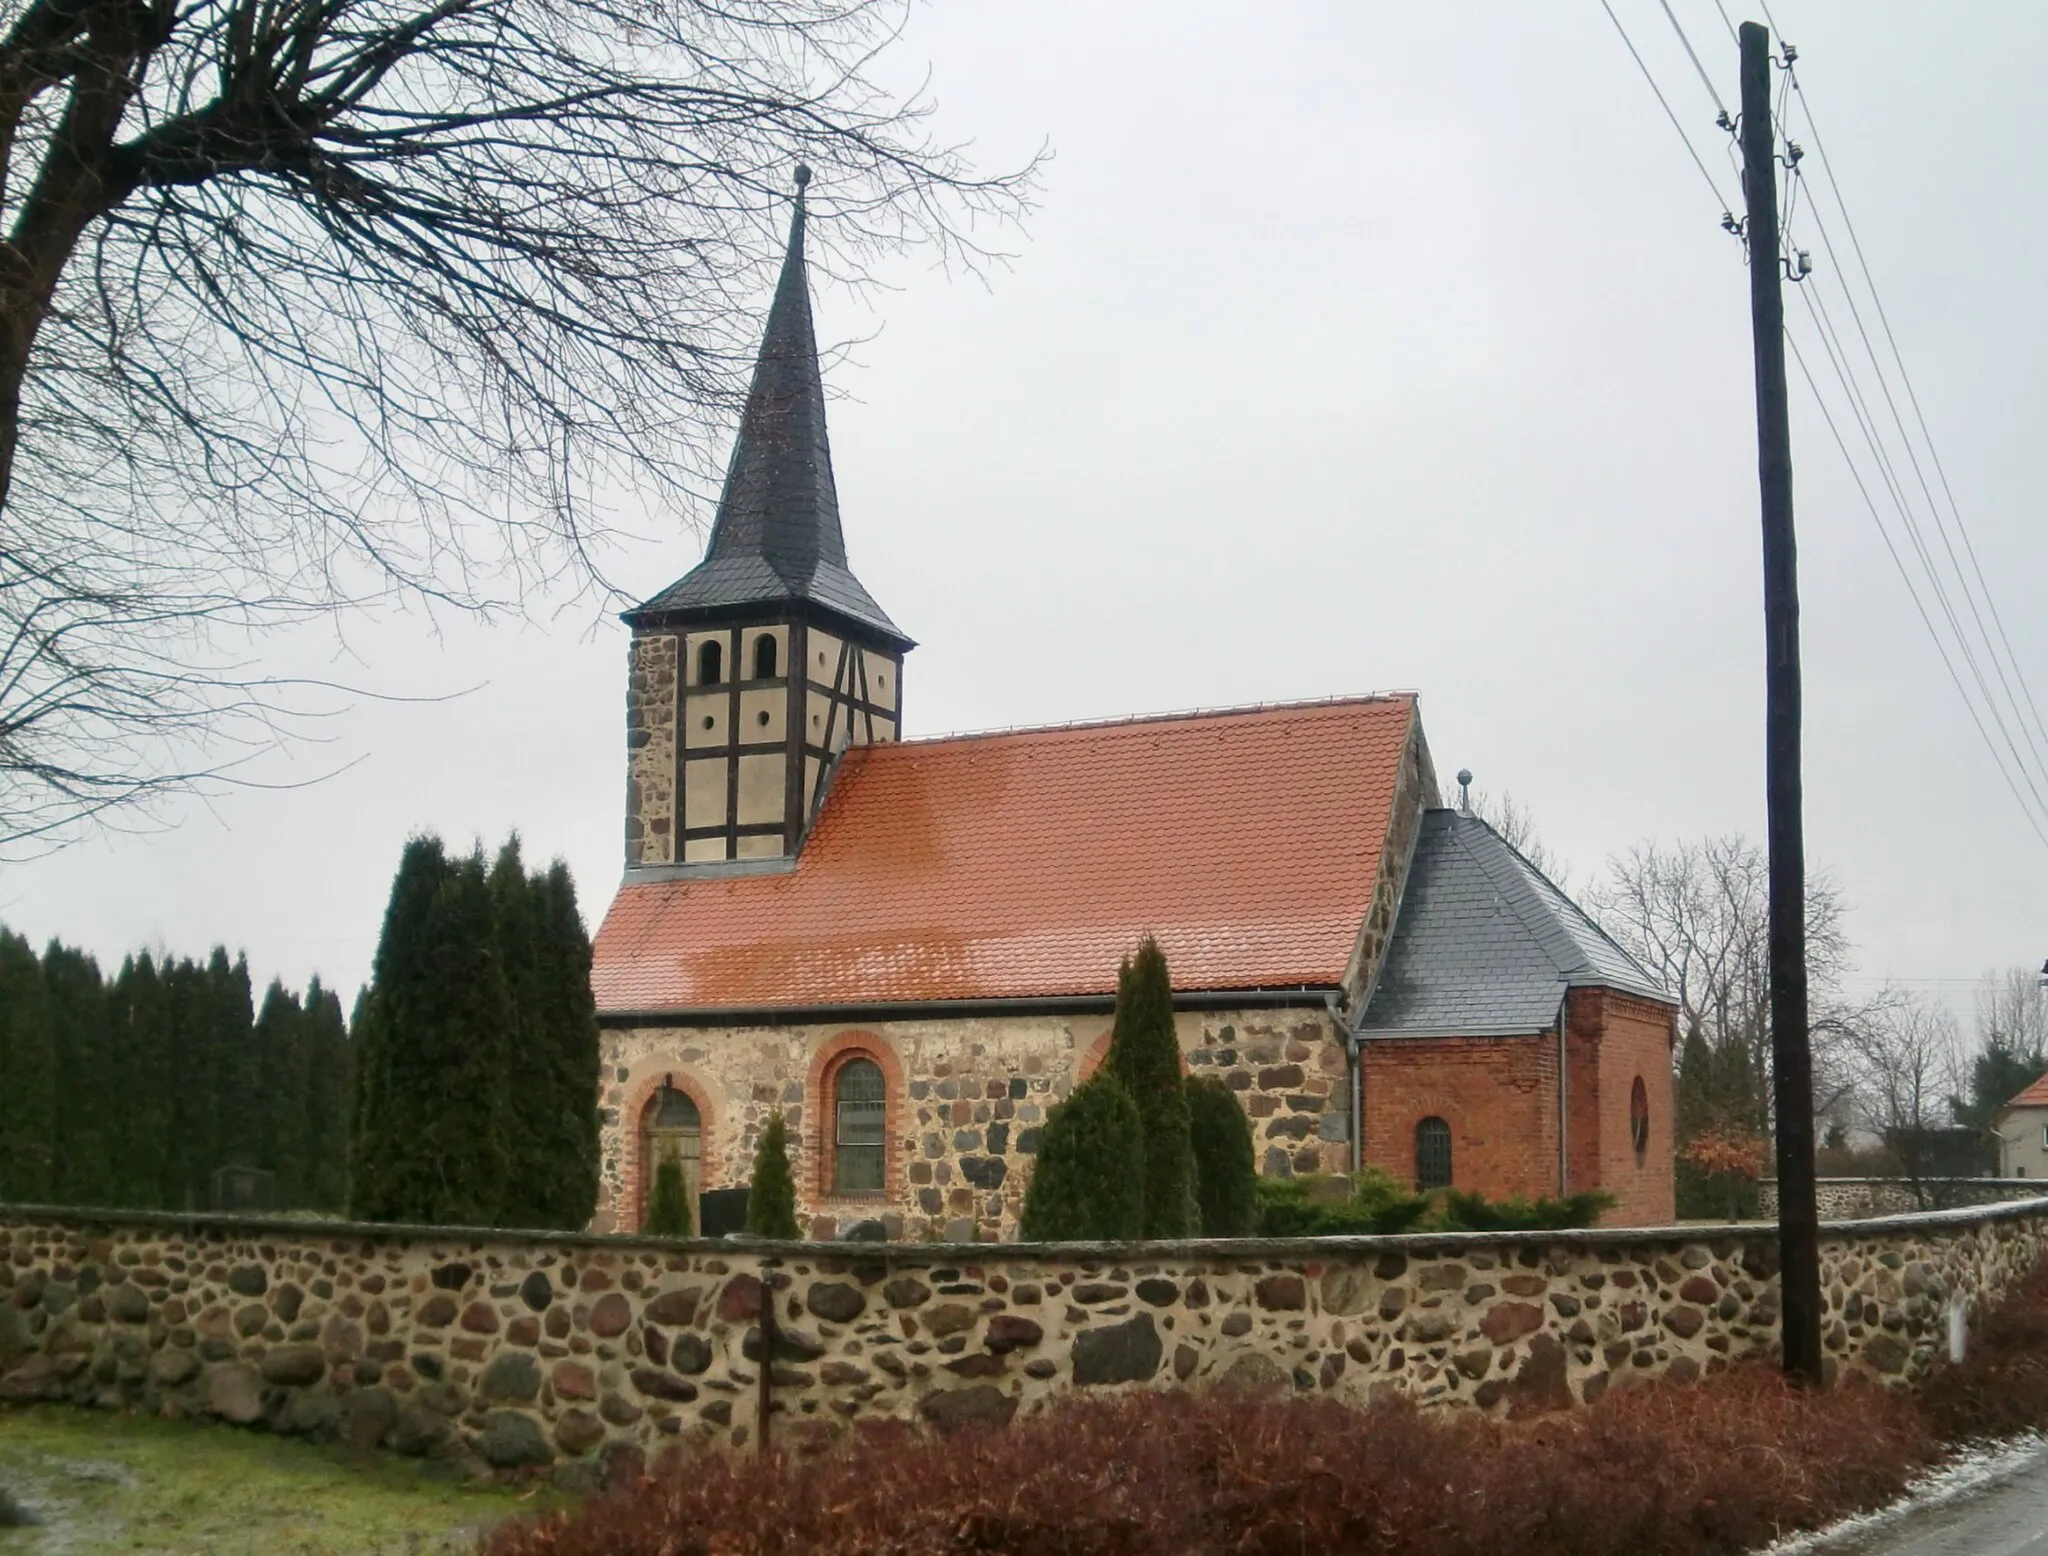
[1352, 347]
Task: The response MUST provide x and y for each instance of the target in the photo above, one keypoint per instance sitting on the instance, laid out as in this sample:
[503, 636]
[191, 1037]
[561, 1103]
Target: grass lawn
[97, 1482]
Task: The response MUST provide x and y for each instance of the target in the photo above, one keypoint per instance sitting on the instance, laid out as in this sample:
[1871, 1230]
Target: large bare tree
[305, 303]
[1697, 914]
[1905, 1064]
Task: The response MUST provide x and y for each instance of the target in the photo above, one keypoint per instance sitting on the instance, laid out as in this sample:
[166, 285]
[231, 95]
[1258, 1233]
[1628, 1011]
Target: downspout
[1564, 1180]
[1352, 1067]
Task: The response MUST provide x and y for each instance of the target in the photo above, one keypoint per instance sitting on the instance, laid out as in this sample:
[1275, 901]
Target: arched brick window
[859, 1124]
[1639, 1116]
[1432, 1154]
[670, 1122]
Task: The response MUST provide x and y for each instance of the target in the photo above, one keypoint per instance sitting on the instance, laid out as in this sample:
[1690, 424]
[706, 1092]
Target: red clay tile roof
[1031, 863]
[2035, 1096]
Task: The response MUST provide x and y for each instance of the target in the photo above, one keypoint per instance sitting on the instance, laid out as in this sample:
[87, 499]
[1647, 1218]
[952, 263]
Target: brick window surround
[639, 1172]
[1097, 1051]
[833, 1055]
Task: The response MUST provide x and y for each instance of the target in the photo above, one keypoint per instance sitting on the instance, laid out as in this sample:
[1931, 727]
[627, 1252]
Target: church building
[910, 947]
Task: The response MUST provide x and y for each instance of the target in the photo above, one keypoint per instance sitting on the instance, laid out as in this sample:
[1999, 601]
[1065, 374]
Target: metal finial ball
[803, 175]
[1465, 776]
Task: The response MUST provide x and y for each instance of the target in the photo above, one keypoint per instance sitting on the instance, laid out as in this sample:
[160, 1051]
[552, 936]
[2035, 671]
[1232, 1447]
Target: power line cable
[1838, 359]
[1856, 475]
[1970, 599]
[1706, 80]
[1690, 149]
[1912, 396]
[1866, 424]
[1850, 380]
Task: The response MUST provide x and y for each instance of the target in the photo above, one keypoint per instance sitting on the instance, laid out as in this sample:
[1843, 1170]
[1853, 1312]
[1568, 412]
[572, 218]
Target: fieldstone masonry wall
[651, 819]
[966, 1100]
[1841, 1199]
[581, 1355]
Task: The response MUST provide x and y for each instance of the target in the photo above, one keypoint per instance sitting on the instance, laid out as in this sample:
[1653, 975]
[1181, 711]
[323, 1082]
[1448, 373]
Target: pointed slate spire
[777, 535]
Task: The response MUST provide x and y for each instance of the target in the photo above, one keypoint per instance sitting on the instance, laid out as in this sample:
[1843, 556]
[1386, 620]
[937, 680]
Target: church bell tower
[751, 674]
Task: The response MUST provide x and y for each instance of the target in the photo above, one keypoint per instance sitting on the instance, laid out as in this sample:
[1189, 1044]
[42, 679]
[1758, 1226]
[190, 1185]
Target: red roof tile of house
[2035, 1096]
[1030, 863]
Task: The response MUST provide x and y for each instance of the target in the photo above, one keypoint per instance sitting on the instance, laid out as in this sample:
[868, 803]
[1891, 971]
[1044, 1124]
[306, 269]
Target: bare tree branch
[311, 303]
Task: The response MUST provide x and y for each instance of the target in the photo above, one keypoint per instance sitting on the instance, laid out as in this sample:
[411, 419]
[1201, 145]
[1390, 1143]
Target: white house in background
[2022, 1126]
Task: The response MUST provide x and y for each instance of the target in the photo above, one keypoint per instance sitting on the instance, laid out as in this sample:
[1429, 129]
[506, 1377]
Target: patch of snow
[1972, 1468]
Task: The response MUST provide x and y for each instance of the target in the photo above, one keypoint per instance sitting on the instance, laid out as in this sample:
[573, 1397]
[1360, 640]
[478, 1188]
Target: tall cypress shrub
[190, 1042]
[771, 1197]
[528, 1087]
[1226, 1177]
[329, 1066]
[1144, 1056]
[566, 1020]
[432, 1116]
[239, 1075]
[284, 1073]
[28, 1077]
[139, 1041]
[668, 1207]
[1088, 1181]
[88, 1131]
[552, 1087]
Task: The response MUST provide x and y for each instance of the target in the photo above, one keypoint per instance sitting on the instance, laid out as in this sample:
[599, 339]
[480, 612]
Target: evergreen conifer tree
[433, 1113]
[1144, 1056]
[283, 1121]
[1088, 1181]
[1226, 1178]
[28, 1077]
[88, 1131]
[529, 1076]
[771, 1197]
[566, 1020]
[239, 1072]
[329, 1064]
[139, 1042]
[668, 1208]
[192, 1049]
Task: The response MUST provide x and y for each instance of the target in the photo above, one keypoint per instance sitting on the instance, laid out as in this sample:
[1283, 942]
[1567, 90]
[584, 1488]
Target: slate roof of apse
[1485, 945]
[2035, 1096]
[777, 537]
[1031, 863]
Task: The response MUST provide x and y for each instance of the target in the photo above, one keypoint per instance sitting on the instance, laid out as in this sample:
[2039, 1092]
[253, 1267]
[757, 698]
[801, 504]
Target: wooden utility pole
[1791, 1054]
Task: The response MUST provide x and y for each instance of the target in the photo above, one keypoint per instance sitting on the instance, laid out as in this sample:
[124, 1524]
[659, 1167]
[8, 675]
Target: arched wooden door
[668, 1123]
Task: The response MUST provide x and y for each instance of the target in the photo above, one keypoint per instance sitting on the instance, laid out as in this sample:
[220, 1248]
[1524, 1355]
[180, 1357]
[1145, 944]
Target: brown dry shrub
[2001, 1387]
[1657, 1467]
[1682, 1469]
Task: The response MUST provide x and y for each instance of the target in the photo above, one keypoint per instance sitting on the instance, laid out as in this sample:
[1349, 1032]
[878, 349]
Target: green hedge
[1379, 1206]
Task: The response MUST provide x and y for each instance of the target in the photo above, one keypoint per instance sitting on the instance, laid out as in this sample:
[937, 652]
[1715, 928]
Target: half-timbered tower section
[751, 674]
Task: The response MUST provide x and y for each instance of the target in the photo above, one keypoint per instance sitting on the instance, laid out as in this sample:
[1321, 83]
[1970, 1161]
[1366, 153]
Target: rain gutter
[1305, 994]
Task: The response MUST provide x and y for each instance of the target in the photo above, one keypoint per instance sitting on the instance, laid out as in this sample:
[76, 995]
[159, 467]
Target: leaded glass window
[1432, 1154]
[859, 1119]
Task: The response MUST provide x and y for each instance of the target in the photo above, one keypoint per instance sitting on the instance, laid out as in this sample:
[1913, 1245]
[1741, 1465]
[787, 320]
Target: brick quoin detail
[1617, 1038]
[1097, 1051]
[1091, 1059]
[831, 1057]
[647, 1079]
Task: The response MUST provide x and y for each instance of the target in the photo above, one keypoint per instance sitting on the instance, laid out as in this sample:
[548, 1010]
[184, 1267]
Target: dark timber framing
[851, 714]
[775, 562]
